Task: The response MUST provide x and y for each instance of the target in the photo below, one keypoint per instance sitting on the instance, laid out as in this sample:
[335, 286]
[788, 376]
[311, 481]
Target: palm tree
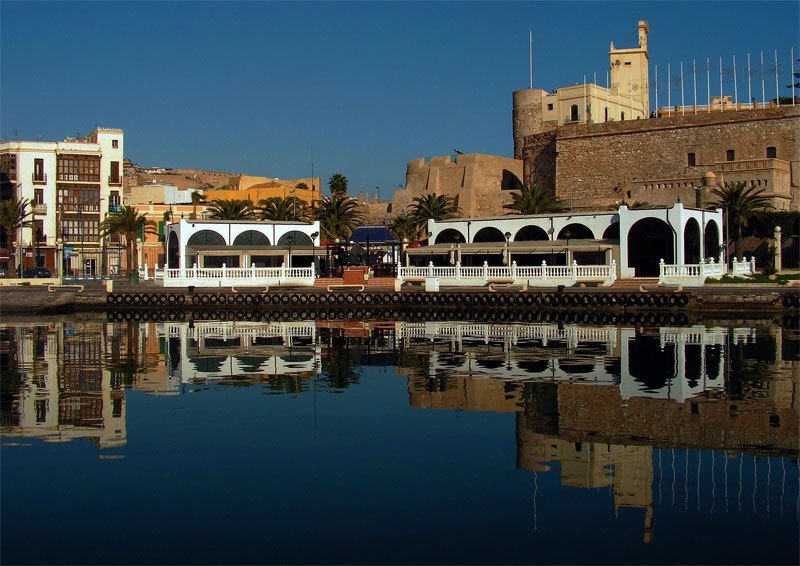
[338, 216]
[338, 185]
[231, 209]
[433, 207]
[13, 216]
[197, 198]
[129, 223]
[404, 227]
[278, 208]
[532, 200]
[741, 204]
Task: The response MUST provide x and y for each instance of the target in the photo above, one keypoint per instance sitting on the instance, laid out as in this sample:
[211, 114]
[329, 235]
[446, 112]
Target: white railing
[540, 275]
[232, 276]
[697, 273]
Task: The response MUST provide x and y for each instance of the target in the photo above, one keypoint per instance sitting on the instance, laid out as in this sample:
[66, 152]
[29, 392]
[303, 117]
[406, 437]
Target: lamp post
[567, 234]
[314, 261]
[507, 251]
[289, 239]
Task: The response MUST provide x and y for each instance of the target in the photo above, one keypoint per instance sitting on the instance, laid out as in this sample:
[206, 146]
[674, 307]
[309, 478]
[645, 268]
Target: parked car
[37, 272]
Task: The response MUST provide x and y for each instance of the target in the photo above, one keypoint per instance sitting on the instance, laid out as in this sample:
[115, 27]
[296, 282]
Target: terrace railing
[539, 275]
[695, 274]
[232, 276]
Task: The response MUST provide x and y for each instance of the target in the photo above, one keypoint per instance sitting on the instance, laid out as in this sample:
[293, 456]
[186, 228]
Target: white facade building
[71, 185]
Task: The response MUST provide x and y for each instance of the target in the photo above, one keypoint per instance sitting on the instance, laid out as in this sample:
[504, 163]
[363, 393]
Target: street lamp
[290, 239]
[507, 251]
[314, 261]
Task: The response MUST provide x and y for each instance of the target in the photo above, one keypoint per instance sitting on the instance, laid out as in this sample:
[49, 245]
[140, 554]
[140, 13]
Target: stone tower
[630, 70]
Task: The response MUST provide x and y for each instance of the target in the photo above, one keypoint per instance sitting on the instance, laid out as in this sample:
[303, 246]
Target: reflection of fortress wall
[465, 394]
[709, 423]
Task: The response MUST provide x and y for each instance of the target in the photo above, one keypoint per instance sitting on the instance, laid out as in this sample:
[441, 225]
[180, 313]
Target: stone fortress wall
[481, 182]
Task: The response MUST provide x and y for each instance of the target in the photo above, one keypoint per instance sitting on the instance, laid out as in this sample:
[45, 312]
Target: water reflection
[686, 417]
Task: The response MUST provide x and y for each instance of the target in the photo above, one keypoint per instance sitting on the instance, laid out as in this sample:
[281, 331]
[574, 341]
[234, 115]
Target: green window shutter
[140, 232]
[161, 229]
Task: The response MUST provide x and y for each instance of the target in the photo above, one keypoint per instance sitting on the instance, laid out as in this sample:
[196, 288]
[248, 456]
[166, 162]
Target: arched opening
[691, 242]
[575, 231]
[711, 243]
[173, 261]
[449, 236]
[206, 238]
[651, 364]
[649, 241]
[612, 232]
[295, 238]
[251, 238]
[531, 234]
[489, 234]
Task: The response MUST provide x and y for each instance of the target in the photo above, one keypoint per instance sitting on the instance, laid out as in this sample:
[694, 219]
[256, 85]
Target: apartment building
[71, 186]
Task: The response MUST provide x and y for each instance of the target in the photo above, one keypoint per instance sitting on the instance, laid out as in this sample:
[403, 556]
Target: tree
[432, 207]
[338, 216]
[13, 216]
[197, 198]
[278, 208]
[127, 222]
[404, 227]
[741, 203]
[338, 185]
[532, 200]
[231, 209]
[301, 186]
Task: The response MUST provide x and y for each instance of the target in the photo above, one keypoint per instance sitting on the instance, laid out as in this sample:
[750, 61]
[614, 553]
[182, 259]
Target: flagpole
[683, 108]
[791, 54]
[749, 88]
[656, 90]
[530, 55]
[584, 100]
[694, 82]
[763, 88]
[708, 82]
[721, 99]
[777, 92]
[669, 89]
[735, 85]
[607, 92]
[594, 95]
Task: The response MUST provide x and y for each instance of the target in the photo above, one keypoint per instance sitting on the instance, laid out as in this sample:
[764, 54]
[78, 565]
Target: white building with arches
[220, 253]
[638, 241]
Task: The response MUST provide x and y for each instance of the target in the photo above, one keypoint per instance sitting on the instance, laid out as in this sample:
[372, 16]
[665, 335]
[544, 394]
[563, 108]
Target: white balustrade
[238, 276]
[696, 273]
[541, 276]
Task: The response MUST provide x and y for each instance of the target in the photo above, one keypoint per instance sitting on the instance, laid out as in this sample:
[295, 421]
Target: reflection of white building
[676, 363]
[219, 350]
[67, 392]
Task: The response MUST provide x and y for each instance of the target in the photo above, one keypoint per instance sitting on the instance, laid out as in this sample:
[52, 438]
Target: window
[115, 144]
[78, 168]
[623, 116]
[38, 170]
[549, 106]
[38, 196]
[606, 114]
[114, 177]
[573, 116]
[691, 159]
[772, 152]
[730, 155]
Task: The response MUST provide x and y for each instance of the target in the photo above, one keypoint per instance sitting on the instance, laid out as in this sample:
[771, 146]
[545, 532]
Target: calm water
[350, 442]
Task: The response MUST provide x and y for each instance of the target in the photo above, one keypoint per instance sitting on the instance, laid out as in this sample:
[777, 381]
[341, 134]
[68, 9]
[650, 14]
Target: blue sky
[359, 88]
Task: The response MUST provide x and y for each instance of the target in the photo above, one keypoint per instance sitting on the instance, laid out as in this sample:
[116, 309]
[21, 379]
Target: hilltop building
[599, 147]
[248, 187]
[71, 185]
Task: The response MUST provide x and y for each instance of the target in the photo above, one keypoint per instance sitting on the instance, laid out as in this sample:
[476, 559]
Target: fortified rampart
[660, 160]
[478, 180]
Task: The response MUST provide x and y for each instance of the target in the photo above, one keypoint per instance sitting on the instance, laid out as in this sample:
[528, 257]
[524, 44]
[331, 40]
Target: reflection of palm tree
[741, 204]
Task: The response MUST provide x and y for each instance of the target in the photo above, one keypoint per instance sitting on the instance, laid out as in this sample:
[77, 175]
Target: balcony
[39, 178]
[39, 208]
[115, 181]
[114, 207]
